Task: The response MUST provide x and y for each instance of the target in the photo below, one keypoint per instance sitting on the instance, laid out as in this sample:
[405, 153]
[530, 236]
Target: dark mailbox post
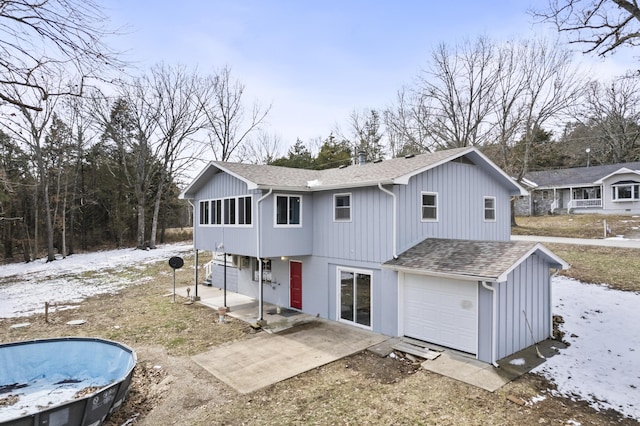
[175, 263]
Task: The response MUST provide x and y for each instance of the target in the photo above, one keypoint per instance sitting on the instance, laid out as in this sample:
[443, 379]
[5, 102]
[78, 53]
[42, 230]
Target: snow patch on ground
[517, 361]
[601, 365]
[29, 285]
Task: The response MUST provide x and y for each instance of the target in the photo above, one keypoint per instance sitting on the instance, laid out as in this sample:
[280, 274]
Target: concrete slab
[252, 364]
[485, 376]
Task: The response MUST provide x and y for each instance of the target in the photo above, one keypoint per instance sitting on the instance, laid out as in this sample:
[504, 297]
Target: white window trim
[275, 211]
[222, 212]
[335, 196]
[635, 195]
[436, 206]
[484, 208]
[340, 269]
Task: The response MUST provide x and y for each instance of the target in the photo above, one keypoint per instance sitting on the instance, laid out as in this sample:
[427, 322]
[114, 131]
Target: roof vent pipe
[362, 157]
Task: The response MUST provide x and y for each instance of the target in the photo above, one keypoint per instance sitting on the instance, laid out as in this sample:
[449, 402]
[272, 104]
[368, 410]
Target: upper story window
[228, 211]
[204, 212]
[342, 207]
[429, 206]
[288, 210]
[490, 209]
[626, 190]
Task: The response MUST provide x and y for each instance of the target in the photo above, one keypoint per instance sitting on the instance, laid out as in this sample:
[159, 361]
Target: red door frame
[295, 284]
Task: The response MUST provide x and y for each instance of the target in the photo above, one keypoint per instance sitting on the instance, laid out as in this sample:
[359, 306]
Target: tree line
[92, 153]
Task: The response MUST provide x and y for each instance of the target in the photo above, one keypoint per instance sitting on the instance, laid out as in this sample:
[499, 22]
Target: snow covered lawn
[601, 366]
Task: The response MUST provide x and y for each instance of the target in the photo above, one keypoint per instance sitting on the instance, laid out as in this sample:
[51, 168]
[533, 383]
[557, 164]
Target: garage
[442, 311]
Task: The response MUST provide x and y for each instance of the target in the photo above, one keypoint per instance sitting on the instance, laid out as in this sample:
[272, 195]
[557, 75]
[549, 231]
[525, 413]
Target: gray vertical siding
[286, 241]
[527, 289]
[485, 323]
[367, 237]
[461, 190]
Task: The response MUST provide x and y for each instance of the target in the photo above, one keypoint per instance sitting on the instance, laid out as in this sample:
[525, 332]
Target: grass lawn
[617, 267]
[577, 225]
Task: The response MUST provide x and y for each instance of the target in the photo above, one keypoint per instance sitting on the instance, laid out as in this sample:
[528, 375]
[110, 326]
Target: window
[266, 270]
[288, 209]
[490, 209]
[626, 190]
[216, 212]
[204, 212]
[429, 206]
[244, 211]
[355, 296]
[342, 207]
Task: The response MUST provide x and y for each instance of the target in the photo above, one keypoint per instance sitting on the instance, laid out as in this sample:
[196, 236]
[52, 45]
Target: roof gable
[576, 175]
[622, 170]
[393, 171]
[470, 259]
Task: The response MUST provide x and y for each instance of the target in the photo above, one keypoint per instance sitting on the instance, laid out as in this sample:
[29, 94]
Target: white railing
[554, 206]
[208, 268]
[585, 204]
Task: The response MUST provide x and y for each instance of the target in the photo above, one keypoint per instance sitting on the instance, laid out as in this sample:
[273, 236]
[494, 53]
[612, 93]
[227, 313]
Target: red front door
[295, 284]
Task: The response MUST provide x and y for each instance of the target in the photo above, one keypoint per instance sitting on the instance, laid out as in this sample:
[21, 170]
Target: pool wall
[104, 361]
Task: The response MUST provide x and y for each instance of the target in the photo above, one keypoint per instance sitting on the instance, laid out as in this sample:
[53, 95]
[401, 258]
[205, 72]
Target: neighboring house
[607, 189]
[416, 246]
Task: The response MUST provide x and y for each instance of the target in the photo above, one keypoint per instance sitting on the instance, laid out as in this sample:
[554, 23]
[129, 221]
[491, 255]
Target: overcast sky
[316, 61]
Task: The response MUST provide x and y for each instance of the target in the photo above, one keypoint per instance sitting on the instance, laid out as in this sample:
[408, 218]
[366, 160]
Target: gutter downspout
[551, 302]
[494, 332]
[394, 220]
[260, 290]
[195, 266]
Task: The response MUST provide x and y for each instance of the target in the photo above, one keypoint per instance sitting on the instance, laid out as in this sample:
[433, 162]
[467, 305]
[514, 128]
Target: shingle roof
[482, 260]
[393, 171]
[576, 175]
[368, 173]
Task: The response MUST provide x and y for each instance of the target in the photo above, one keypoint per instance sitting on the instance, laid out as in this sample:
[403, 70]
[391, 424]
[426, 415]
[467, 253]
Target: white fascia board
[404, 179]
[618, 172]
[529, 183]
[552, 257]
[250, 184]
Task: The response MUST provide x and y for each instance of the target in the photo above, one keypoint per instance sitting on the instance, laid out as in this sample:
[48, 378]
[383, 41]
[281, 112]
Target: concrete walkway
[609, 242]
[251, 364]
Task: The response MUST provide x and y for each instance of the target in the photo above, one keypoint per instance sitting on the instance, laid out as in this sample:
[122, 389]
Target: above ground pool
[64, 381]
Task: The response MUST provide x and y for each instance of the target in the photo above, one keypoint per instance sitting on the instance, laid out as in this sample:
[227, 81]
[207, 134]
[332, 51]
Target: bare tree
[227, 122]
[602, 25]
[42, 38]
[612, 115]
[460, 86]
[407, 124]
[264, 149]
[29, 126]
[179, 117]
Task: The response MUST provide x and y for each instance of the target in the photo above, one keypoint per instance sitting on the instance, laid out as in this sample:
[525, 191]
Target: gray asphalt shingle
[576, 175]
[488, 259]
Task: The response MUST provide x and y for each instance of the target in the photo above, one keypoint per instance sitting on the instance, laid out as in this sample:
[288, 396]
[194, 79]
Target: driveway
[254, 363]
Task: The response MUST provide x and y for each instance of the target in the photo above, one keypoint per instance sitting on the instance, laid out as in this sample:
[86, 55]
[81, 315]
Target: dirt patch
[169, 388]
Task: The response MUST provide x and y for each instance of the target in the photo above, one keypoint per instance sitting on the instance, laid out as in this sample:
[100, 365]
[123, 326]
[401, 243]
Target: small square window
[342, 207]
[429, 206]
[490, 209]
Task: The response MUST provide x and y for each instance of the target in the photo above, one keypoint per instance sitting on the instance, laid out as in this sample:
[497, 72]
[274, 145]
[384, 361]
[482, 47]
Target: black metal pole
[196, 272]
[225, 280]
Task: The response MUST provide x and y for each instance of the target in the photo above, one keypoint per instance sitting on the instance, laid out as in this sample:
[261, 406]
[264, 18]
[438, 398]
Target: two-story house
[416, 246]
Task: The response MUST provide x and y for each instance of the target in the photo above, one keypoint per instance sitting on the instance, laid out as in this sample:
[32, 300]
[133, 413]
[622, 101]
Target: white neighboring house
[606, 189]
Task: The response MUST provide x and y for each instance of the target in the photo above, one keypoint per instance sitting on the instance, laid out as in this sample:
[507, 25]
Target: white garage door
[442, 311]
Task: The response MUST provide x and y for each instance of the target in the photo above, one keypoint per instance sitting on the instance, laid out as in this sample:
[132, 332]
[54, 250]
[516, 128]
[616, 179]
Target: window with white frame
[204, 212]
[288, 210]
[244, 210]
[626, 190]
[342, 207]
[227, 211]
[489, 209]
[216, 212]
[429, 206]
